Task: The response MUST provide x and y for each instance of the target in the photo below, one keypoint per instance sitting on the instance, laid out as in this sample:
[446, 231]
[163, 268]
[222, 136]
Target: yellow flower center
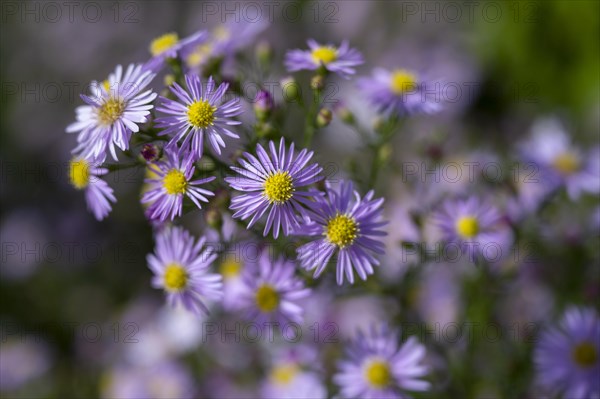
[585, 354]
[566, 163]
[284, 374]
[324, 55]
[279, 187]
[79, 173]
[163, 43]
[467, 226]
[221, 33]
[378, 374]
[199, 55]
[106, 85]
[230, 267]
[201, 114]
[110, 111]
[267, 298]
[176, 277]
[403, 82]
[341, 230]
[175, 182]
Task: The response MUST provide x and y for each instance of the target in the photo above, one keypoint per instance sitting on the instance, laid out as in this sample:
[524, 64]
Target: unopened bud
[324, 117]
[264, 52]
[213, 218]
[317, 82]
[384, 154]
[263, 105]
[264, 130]
[344, 113]
[169, 79]
[206, 164]
[378, 123]
[290, 88]
[150, 152]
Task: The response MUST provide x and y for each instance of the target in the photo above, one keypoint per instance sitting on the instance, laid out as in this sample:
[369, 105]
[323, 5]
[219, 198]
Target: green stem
[310, 124]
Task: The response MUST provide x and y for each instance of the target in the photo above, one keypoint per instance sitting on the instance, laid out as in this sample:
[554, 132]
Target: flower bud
[324, 117]
[290, 89]
[264, 130]
[213, 218]
[169, 79]
[263, 105]
[384, 154]
[317, 82]
[263, 52]
[150, 152]
[344, 113]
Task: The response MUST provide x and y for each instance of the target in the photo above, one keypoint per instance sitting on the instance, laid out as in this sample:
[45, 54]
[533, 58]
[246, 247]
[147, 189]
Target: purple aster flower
[376, 367]
[113, 113]
[272, 183]
[171, 184]
[568, 356]
[238, 258]
[83, 175]
[198, 112]
[346, 225]
[400, 92]
[340, 60]
[477, 227]
[560, 162]
[289, 381]
[223, 42]
[272, 292]
[169, 46]
[180, 267]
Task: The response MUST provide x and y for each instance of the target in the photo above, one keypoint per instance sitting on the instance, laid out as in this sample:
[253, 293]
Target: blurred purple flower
[376, 367]
[272, 292]
[476, 226]
[560, 162]
[340, 60]
[568, 356]
[169, 46]
[400, 92]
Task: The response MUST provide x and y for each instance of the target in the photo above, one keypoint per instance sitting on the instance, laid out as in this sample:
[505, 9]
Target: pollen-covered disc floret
[350, 231]
[197, 112]
[567, 356]
[114, 110]
[279, 187]
[271, 292]
[401, 92]
[273, 182]
[201, 114]
[375, 366]
[181, 267]
[176, 277]
[341, 230]
[84, 175]
[341, 60]
[171, 183]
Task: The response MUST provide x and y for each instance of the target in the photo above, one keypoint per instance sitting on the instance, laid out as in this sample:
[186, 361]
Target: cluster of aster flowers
[255, 187]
